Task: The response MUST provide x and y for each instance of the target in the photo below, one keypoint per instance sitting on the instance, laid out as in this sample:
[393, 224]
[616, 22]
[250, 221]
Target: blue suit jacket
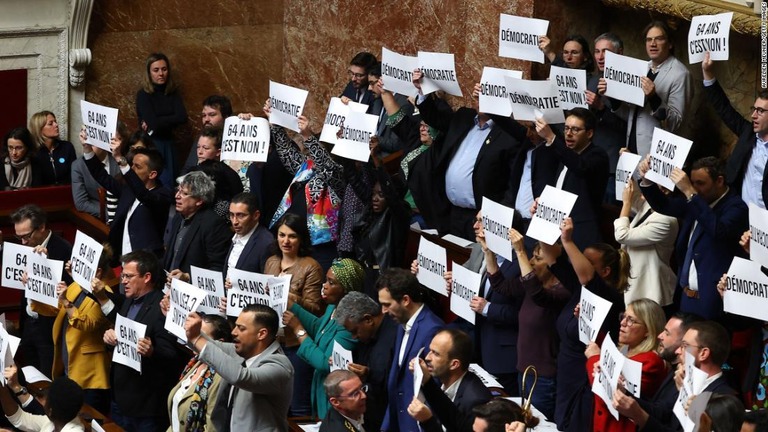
[400, 380]
[715, 242]
[255, 252]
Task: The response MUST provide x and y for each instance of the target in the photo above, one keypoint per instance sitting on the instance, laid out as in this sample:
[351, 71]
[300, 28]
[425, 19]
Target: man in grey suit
[258, 376]
[85, 189]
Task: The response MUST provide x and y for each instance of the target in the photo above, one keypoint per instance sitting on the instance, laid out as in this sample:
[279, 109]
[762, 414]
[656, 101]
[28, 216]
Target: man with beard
[215, 111]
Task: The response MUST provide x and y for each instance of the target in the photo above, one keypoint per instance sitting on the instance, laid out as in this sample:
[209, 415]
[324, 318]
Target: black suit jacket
[610, 131]
[205, 244]
[351, 92]
[335, 422]
[146, 225]
[146, 393]
[456, 416]
[255, 252]
[377, 355]
[742, 152]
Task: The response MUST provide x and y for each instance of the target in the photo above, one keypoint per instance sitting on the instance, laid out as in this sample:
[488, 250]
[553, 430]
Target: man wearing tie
[258, 377]
[357, 88]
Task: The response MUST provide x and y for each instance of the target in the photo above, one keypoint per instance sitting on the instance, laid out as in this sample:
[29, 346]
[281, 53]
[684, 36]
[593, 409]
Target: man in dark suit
[451, 402]
[714, 218]
[251, 243]
[402, 298]
[583, 171]
[357, 88]
[258, 378]
[85, 190]
[376, 333]
[139, 399]
[473, 161]
[196, 236]
[746, 171]
[30, 227]
[143, 202]
[347, 395]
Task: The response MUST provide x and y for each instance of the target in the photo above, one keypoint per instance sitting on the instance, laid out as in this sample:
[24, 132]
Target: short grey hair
[354, 306]
[332, 383]
[618, 44]
[200, 185]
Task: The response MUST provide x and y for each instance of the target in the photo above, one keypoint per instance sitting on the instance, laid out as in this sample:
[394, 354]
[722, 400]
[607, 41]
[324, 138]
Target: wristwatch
[23, 391]
[301, 333]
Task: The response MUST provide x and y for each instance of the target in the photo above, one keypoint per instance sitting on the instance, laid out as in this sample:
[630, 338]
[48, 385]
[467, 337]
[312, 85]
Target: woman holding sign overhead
[637, 340]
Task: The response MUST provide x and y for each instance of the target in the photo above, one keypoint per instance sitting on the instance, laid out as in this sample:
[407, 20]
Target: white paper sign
[279, 287]
[607, 381]
[622, 78]
[531, 99]
[571, 86]
[33, 375]
[758, 227]
[624, 168]
[439, 73]
[355, 139]
[247, 288]
[519, 37]
[100, 124]
[465, 285]
[95, 426]
[667, 151]
[693, 384]
[185, 299]
[593, 311]
[43, 275]
[14, 264]
[397, 72]
[337, 116]
[212, 282]
[746, 290]
[497, 220]
[86, 253]
[13, 345]
[554, 206]
[245, 140]
[433, 264]
[709, 33]
[418, 374]
[494, 98]
[633, 376]
[287, 104]
[128, 334]
[4, 351]
[340, 358]
[489, 380]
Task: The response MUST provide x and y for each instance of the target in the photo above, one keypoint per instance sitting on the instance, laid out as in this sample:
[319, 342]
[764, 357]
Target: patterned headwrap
[350, 274]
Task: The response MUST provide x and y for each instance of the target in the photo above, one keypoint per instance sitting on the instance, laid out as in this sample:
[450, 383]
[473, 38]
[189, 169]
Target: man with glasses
[583, 171]
[745, 171]
[139, 398]
[31, 229]
[357, 88]
[347, 395]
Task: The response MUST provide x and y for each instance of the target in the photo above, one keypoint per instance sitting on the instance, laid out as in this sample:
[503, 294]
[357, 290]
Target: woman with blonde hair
[54, 155]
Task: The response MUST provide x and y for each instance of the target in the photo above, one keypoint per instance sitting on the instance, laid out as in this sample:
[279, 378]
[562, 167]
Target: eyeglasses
[355, 394]
[684, 345]
[356, 75]
[760, 111]
[25, 237]
[656, 39]
[128, 276]
[629, 320]
[573, 129]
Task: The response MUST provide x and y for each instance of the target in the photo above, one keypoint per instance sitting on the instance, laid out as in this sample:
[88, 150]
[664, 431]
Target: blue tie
[684, 271]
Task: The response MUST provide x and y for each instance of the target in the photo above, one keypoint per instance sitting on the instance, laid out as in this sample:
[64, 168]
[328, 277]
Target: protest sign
[709, 33]
[693, 384]
[438, 73]
[185, 299]
[465, 285]
[286, 105]
[4, 351]
[494, 98]
[553, 207]
[519, 37]
[337, 116]
[633, 376]
[279, 287]
[746, 290]
[489, 380]
[212, 282]
[43, 275]
[100, 124]
[622, 78]
[624, 168]
[607, 380]
[86, 253]
[418, 374]
[14, 264]
[592, 313]
[128, 333]
[355, 139]
[497, 220]
[397, 72]
[247, 288]
[532, 99]
[340, 357]
[245, 140]
[571, 86]
[667, 152]
[758, 228]
[433, 264]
